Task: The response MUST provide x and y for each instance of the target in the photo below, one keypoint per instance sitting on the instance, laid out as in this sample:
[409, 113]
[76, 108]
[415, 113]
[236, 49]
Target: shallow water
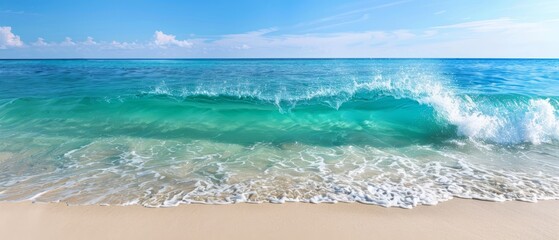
[398, 132]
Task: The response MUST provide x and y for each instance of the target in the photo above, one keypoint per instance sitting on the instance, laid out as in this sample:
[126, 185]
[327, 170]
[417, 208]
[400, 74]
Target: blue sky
[274, 28]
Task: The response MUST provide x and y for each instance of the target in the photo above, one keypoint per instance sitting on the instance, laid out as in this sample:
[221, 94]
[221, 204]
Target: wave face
[387, 132]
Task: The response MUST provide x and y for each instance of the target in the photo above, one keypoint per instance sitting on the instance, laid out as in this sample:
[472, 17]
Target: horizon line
[295, 58]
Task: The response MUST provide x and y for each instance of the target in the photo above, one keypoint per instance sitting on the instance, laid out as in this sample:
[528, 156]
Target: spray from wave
[506, 122]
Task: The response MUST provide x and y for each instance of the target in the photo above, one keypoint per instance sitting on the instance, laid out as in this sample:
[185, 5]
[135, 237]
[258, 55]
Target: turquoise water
[399, 132]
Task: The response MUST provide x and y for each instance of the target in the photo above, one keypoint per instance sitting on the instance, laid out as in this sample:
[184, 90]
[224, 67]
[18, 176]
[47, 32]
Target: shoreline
[453, 219]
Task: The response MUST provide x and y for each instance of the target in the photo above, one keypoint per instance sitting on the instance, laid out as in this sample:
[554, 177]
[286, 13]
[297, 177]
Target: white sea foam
[221, 173]
[541, 122]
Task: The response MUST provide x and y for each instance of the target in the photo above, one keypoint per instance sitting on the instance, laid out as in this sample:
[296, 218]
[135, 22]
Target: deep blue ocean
[391, 132]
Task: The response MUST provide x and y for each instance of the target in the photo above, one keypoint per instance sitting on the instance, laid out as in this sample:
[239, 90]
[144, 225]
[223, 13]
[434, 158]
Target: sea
[388, 132]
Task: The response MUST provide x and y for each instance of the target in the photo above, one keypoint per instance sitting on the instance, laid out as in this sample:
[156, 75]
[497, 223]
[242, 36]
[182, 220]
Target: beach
[243, 148]
[454, 219]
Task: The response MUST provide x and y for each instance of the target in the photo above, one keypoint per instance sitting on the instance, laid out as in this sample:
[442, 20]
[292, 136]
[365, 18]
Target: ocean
[389, 132]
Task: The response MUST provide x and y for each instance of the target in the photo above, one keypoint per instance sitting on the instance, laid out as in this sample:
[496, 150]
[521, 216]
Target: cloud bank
[501, 37]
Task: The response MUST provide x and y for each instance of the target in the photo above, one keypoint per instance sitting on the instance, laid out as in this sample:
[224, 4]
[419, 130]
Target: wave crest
[494, 118]
[504, 122]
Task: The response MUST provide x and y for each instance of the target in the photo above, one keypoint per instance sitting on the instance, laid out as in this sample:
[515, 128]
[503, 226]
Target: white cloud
[124, 45]
[261, 40]
[353, 16]
[161, 39]
[8, 11]
[40, 42]
[403, 34]
[429, 33]
[243, 47]
[502, 37]
[499, 24]
[8, 39]
[67, 42]
[440, 12]
[89, 41]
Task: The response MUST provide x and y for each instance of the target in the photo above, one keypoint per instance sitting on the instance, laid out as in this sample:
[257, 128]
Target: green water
[388, 132]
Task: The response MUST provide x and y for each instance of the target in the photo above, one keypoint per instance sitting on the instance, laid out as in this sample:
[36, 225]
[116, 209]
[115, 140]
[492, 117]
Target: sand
[455, 219]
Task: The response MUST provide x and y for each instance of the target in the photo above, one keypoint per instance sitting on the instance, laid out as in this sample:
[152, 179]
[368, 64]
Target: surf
[387, 132]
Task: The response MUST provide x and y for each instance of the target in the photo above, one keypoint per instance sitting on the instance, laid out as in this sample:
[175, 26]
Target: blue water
[392, 132]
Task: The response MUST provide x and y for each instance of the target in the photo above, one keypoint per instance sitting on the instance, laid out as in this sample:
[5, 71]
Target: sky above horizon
[278, 28]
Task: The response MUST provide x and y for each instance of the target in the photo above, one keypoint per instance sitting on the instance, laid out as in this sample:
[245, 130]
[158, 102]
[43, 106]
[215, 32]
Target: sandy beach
[455, 219]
